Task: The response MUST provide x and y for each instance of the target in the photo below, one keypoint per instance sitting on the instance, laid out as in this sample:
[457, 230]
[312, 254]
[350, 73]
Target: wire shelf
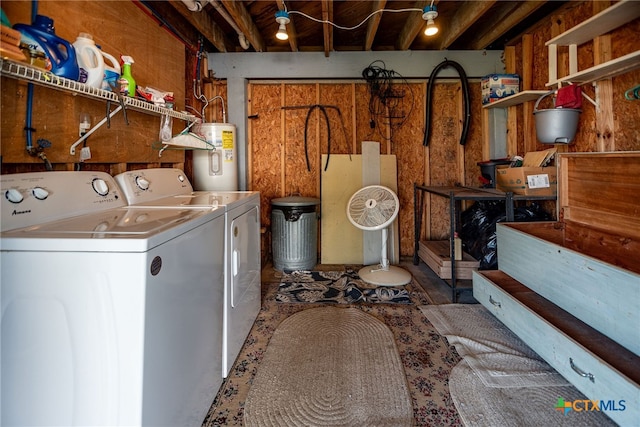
[48, 79]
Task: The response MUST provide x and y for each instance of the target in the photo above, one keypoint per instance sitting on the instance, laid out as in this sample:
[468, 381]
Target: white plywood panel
[371, 176]
[341, 241]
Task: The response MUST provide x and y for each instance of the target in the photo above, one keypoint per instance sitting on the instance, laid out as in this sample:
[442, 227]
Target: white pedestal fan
[374, 208]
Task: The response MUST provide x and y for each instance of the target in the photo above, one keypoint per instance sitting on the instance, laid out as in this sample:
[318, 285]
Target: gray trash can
[294, 229]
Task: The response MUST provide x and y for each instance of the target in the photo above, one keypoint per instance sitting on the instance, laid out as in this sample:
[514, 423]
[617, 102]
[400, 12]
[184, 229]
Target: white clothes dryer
[107, 311]
[170, 188]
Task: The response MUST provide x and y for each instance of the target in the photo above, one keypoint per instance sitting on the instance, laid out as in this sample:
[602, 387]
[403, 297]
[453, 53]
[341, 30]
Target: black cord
[386, 98]
[306, 125]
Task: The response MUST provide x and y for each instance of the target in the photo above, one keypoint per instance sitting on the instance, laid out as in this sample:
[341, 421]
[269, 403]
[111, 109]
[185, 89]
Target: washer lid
[113, 230]
[202, 200]
[295, 201]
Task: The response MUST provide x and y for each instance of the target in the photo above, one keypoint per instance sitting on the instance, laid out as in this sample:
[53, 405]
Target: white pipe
[222, 11]
[72, 150]
[193, 5]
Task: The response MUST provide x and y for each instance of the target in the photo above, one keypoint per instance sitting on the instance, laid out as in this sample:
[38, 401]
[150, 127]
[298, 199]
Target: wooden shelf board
[605, 70]
[605, 21]
[518, 98]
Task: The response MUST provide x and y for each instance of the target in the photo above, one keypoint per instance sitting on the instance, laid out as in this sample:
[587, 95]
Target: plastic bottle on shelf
[90, 60]
[111, 72]
[41, 39]
[126, 82]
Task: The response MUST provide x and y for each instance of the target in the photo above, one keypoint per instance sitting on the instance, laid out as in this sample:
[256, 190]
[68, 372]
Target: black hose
[465, 98]
[306, 125]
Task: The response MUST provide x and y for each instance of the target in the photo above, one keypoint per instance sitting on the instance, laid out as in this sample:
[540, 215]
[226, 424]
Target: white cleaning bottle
[90, 60]
[111, 72]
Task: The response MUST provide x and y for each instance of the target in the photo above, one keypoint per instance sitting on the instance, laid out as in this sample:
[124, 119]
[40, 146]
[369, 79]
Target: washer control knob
[102, 227]
[13, 195]
[142, 183]
[181, 178]
[40, 193]
[100, 186]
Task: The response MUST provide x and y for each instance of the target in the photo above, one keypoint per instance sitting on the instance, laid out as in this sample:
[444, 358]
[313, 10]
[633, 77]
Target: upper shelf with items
[609, 19]
[45, 78]
[516, 99]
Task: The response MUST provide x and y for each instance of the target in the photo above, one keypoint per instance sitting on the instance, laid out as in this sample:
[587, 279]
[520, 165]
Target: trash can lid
[295, 201]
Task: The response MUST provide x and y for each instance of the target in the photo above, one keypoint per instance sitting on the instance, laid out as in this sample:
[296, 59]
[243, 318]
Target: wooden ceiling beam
[291, 28]
[504, 23]
[203, 23]
[243, 20]
[412, 27]
[465, 16]
[374, 22]
[327, 29]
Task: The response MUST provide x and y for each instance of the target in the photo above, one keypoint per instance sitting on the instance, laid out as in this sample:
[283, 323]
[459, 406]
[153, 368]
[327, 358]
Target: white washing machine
[109, 314]
[170, 188]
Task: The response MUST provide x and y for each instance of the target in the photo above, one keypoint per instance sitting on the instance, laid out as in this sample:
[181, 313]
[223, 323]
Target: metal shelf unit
[456, 194]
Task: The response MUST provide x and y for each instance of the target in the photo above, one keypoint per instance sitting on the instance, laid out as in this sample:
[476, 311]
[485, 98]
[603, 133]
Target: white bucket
[90, 60]
[556, 125]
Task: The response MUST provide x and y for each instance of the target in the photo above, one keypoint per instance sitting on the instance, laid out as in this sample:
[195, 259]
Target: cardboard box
[498, 86]
[528, 181]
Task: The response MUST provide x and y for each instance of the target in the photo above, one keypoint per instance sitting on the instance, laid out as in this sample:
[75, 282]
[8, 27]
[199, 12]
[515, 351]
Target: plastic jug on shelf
[90, 60]
[40, 38]
[111, 72]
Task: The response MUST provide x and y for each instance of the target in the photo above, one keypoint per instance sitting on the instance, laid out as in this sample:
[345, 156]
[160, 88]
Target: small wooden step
[436, 254]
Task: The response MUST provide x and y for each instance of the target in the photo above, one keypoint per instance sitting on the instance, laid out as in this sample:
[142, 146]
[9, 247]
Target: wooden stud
[283, 140]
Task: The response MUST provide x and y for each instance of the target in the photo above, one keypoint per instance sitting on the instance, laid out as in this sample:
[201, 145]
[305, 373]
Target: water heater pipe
[193, 5]
[222, 11]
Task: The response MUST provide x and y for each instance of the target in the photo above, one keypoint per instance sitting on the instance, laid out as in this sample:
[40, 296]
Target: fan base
[394, 276]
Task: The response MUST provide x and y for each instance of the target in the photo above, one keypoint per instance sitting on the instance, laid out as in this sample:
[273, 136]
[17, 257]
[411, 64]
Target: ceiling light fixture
[429, 14]
[282, 18]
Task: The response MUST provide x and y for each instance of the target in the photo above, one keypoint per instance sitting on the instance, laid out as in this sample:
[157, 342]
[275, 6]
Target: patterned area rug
[340, 287]
[426, 357]
[342, 370]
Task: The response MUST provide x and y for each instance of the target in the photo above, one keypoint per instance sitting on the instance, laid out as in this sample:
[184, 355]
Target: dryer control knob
[13, 195]
[181, 178]
[40, 193]
[100, 186]
[142, 183]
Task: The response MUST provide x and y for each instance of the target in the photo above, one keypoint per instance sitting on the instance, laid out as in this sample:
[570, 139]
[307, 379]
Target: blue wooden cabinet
[571, 289]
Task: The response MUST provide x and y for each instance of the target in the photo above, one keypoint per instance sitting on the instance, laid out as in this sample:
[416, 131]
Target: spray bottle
[126, 83]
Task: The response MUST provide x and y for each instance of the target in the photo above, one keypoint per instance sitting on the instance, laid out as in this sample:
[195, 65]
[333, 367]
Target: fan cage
[373, 207]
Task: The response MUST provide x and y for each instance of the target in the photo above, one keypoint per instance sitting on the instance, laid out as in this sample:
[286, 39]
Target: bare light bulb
[431, 29]
[282, 32]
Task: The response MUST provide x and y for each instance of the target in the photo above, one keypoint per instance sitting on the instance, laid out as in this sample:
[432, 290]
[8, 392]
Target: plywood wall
[278, 112]
[621, 132]
[119, 28]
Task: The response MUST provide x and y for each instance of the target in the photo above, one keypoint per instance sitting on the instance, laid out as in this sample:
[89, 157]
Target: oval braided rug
[330, 366]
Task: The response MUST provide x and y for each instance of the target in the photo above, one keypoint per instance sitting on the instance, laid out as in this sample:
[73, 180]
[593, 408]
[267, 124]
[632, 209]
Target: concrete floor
[439, 290]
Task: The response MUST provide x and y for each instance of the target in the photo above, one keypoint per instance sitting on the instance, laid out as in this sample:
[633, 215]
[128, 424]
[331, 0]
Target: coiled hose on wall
[465, 99]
